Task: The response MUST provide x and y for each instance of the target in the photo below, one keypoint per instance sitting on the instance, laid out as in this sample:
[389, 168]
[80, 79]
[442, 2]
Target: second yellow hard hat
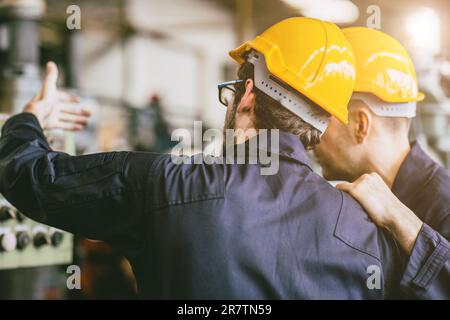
[383, 67]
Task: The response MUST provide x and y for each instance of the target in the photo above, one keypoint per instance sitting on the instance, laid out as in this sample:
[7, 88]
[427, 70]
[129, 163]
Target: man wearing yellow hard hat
[221, 230]
[376, 141]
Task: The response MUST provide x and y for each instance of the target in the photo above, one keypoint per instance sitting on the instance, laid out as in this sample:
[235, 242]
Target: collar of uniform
[414, 173]
[289, 147]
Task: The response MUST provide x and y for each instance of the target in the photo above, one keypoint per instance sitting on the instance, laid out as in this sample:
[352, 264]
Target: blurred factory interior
[148, 67]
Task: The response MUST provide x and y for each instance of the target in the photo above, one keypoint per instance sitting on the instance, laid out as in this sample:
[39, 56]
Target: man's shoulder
[352, 224]
[439, 183]
[432, 183]
[348, 220]
[437, 190]
[356, 229]
[433, 178]
[186, 179]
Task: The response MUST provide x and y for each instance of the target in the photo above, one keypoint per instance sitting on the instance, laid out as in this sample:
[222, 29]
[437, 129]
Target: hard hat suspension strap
[387, 109]
[286, 97]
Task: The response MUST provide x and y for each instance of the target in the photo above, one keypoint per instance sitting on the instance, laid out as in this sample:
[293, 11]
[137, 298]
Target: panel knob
[6, 213]
[8, 242]
[56, 238]
[23, 240]
[40, 239]
[19, 216]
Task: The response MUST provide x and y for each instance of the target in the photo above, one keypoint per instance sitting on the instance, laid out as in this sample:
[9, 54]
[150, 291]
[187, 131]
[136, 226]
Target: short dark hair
[270, 114]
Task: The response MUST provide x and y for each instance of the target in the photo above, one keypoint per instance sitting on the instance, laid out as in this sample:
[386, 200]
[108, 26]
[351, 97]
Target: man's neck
[242, 135]
[388, 162]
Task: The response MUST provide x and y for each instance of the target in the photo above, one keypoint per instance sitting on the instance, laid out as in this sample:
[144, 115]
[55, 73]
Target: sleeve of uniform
[427, 274]
[99, 196]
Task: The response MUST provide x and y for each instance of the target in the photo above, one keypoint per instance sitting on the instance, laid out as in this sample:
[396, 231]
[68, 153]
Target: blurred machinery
[23, 242]
[431, 127]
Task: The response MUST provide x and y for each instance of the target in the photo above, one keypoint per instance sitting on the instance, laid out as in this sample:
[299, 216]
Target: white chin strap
[287, 98]
[387, 109]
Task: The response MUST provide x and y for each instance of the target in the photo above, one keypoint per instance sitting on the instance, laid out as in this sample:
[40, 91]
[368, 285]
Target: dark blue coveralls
[424, 186]
[205, 231]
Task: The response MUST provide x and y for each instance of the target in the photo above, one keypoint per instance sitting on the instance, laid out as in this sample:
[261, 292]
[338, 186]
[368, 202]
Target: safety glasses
[227, 92]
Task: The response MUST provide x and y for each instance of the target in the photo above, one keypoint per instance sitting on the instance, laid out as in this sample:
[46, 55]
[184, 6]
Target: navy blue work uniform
[424, 186]
[205, 230]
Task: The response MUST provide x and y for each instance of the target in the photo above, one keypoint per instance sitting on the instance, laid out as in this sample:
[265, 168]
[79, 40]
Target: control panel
[26, 243]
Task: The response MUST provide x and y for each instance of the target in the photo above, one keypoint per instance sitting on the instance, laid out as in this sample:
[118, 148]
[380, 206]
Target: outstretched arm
[99, 196]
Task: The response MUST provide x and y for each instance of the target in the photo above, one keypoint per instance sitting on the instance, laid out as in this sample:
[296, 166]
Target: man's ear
[248, 101]
[362, 121]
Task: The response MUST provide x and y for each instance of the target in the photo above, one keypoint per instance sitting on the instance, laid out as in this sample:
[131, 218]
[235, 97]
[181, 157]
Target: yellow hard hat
[311, 56]
[383, 67]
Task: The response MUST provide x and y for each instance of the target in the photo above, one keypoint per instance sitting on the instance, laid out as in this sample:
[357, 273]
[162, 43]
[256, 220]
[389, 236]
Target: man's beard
[230, 122]
[230, 118]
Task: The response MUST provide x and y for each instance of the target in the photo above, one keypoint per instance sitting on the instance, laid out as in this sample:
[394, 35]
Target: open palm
[57, 109]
